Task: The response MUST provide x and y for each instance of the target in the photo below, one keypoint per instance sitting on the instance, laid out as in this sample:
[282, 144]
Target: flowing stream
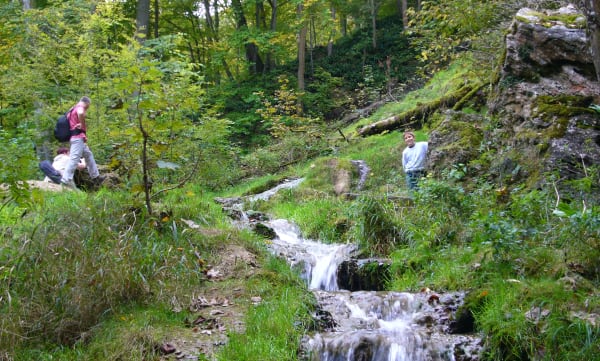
[368, 325]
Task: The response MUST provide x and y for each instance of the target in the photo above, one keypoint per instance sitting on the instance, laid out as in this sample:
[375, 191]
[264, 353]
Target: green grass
[129, 333]
[76, 263]
[273, 327]
[440, 84]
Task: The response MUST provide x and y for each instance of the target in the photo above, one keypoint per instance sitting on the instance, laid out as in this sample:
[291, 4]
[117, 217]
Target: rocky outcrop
[545, 98]
[363, 274]
[451, 143]
[542, 43]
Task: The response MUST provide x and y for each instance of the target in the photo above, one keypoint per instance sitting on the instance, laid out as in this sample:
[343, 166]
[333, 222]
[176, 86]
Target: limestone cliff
[543, 121]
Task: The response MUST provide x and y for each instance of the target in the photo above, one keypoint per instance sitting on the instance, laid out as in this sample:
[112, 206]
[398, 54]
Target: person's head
[62, 150]
[409, 138]
[85, 100]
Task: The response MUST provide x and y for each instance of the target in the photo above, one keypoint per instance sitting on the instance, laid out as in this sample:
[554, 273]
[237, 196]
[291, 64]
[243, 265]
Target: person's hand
[78, 126]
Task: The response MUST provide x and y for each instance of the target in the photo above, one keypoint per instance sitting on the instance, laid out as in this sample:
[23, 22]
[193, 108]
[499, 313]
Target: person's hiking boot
[99, 180]
[68, 184]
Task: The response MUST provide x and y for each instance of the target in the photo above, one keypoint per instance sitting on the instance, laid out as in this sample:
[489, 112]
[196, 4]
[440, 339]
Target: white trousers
[80, 150]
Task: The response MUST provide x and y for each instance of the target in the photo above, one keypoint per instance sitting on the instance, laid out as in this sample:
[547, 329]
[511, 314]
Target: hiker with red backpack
[78, 145]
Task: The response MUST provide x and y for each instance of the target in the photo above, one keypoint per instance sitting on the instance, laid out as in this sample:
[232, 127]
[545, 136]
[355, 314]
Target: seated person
[55, 170]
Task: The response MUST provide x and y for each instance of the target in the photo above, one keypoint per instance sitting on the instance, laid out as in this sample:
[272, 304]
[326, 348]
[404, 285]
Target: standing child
[414, 158]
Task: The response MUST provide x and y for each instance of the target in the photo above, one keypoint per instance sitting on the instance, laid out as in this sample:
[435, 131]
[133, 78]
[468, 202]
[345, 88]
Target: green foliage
[318, 217]
[442, 29]
[291, 149]
[16, 164]
[355, 52]
[284, 114]
[239, 103]
[527, 320]
[70, 262]
[323, 96]
[82, 257]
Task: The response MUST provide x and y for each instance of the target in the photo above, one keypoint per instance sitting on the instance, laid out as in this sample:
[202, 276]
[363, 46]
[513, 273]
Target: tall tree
[301, 48]
[403, 6]
[256, 64]
[373, 7]
[142, 20]
[273, 28]
[332, 34]
[156, 17]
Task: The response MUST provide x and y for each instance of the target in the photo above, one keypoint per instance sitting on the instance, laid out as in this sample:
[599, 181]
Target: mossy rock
[556, 111]
[569, 20]
[455, 141]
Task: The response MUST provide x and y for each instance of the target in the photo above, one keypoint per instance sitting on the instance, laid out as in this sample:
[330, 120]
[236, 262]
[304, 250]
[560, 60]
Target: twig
[182, 182]
[343, 136]
[586, 174]
[557, 195]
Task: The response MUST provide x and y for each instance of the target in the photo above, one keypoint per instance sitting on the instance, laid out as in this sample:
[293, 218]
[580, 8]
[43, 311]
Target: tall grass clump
[322, 219]
[73, 260]
[535, 320]
[375, 226]
[578, 236]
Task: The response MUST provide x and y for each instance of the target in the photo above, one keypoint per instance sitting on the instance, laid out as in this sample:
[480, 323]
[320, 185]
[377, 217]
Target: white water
[318, 260]
[377, 326]
[269, 193]
[369, 326]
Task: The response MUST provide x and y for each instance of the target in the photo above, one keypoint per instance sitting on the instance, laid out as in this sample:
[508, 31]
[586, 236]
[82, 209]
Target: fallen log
[419, 114]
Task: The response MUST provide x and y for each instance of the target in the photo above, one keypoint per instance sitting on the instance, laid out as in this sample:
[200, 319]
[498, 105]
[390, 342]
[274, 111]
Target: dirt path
[216, 310]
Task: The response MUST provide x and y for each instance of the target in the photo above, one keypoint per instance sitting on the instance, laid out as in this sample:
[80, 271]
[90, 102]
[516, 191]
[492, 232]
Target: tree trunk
[404, 14]
[592, 11]
[156, 17]
[301, 50]
[311, 44]
[217, 19]
[374, 23]
[273, 24]
[209, 21]
[332, 35]
[261, 23]
[270, 63]
[256, 65]
[142, 20]
[418, 115]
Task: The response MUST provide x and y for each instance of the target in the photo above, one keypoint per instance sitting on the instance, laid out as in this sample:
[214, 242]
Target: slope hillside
[503, 216]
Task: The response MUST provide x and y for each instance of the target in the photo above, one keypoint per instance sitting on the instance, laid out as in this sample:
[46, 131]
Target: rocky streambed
[357, 319]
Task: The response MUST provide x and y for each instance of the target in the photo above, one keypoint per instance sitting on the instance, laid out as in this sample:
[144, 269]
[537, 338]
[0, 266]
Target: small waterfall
[370, 325]
[362, 325]
[385, 326]
[363, 171]
[318, 262]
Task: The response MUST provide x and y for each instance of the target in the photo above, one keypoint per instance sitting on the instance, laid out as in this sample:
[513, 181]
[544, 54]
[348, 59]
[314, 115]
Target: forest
[197, 102]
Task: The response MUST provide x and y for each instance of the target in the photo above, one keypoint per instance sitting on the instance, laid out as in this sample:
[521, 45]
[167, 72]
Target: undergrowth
[74, 264]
